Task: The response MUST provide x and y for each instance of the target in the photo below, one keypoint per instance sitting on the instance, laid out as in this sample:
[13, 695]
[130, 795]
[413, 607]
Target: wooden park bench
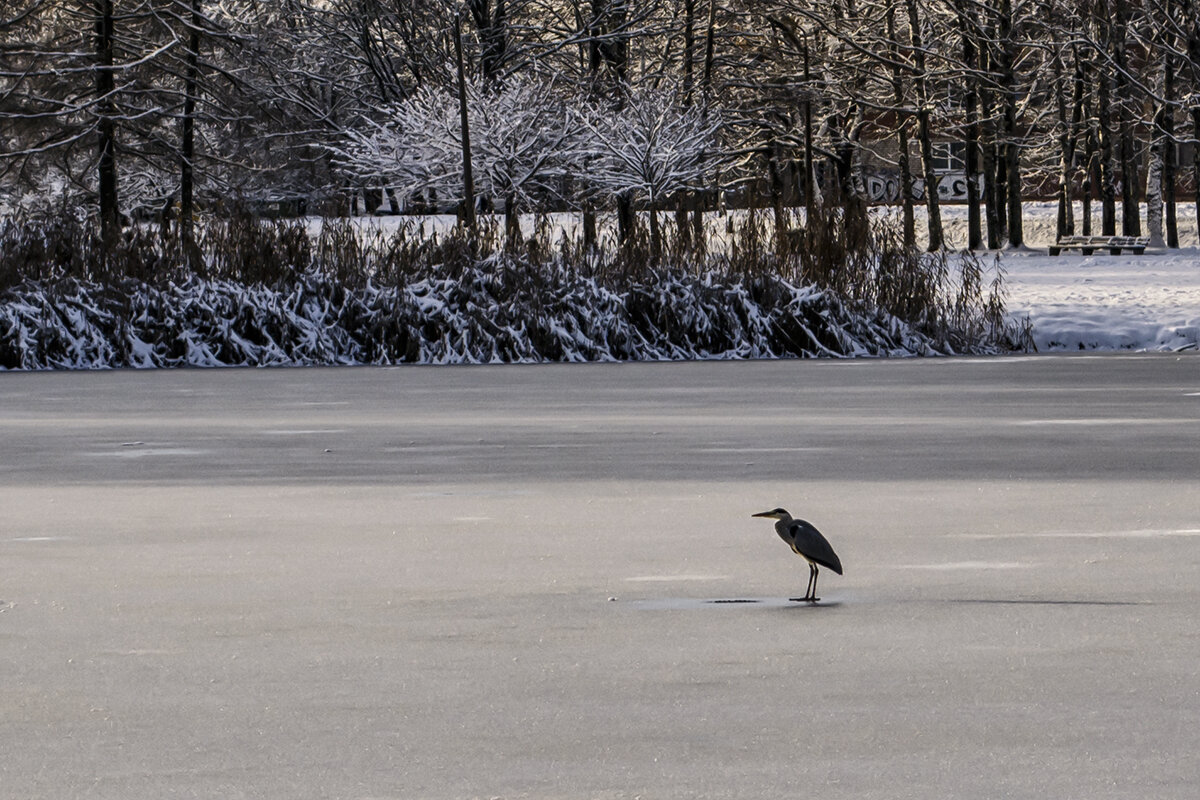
[1088, 244]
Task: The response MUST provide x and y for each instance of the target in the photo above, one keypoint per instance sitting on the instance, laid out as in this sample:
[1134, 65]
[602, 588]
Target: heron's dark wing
[813, 546]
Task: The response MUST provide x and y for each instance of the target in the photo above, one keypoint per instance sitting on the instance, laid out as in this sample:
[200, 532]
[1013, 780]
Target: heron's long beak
[764, 514]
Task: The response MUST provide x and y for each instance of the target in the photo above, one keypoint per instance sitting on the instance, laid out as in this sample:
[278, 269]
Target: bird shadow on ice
[680, 603]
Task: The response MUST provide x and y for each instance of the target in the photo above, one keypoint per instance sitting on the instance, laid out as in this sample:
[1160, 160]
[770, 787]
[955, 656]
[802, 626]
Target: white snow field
[1075, 302]
[1102, 301]
[504, 582]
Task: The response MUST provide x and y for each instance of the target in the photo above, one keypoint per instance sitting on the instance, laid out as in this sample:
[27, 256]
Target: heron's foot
[804, 599]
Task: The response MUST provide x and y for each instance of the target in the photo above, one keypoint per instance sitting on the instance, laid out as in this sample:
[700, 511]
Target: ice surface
[427, 610]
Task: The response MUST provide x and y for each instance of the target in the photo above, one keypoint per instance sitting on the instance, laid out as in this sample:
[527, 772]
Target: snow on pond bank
[1075, 302]
[1101, 301]
[1105, 302]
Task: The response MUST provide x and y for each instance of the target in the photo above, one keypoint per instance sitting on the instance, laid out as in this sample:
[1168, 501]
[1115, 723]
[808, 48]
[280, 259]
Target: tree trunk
[702, 200]
[924, 131]
[1196, 160]
[908, 221]
[589, 227]
[491, 24]
[1000, 189]
[1154, 191]
[906, 188]
[1167, 126]
[1016, 228]
[1012, 148]
[467, 210]
[991, 169]
[187, 155]
[689, 46]
[1159, 172]
[971, 133]
[1068, 144]
[774, 169]
[1131, 224]
[626, 221]
[1108, 191]
[512, 224]
[655, 231]
[110, 222]
[1091, 168]
[1131, 221]
[810, 181]
[683, 222]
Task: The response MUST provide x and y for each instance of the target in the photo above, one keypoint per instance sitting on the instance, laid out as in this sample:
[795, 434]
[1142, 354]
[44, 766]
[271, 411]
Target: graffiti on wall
[884, 187]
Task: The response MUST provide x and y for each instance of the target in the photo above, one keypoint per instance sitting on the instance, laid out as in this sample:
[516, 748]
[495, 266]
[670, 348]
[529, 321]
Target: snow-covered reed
[409, 299]
[486, 316]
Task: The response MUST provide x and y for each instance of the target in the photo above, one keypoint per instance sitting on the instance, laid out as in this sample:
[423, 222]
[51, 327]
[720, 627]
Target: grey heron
[806, 542]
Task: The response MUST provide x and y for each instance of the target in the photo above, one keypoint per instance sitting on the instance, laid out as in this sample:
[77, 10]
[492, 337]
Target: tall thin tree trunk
[1154, 190]
[1012, 148]
[655, 230]
[924, 129]
[110, 222]
[1068, 145]
[1158, 169]
[908, 221]
[1000, 188]
[689, 47]
[774, 170]
[1091, 169]
[1131, 224]
[1016, 227]
[1131, 220]
[187, 155]
[706, 82]
[1108, 191]
[810, 178]
[1196, 160]
[991, 169]
[971, 133]
[682, 223]
[1167, 126]
[468, 203]
[512, 224]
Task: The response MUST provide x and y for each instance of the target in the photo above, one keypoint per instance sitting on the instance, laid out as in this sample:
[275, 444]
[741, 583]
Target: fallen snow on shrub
[498, 312]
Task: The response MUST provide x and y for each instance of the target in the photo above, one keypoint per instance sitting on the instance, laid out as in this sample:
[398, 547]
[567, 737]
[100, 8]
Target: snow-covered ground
[1075, 302]
[1101, 301]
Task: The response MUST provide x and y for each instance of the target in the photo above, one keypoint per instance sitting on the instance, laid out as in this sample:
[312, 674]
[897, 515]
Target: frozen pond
[518, 581]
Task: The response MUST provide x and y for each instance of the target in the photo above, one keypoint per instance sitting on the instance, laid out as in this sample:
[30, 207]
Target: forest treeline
[115, 110]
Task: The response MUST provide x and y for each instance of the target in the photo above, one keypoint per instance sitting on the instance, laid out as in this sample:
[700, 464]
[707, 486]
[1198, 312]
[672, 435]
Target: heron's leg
[808, 591]
[812, 595]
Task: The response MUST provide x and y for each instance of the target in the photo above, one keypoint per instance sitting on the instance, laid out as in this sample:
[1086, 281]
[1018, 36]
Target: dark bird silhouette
[806, 542]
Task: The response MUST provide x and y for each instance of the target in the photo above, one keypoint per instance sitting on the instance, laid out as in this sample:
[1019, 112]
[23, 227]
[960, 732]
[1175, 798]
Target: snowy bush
[520, 141]
[648, 148]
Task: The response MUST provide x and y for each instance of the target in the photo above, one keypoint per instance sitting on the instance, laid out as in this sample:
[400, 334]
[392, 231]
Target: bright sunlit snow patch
[1098, 302]
[149, 452]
